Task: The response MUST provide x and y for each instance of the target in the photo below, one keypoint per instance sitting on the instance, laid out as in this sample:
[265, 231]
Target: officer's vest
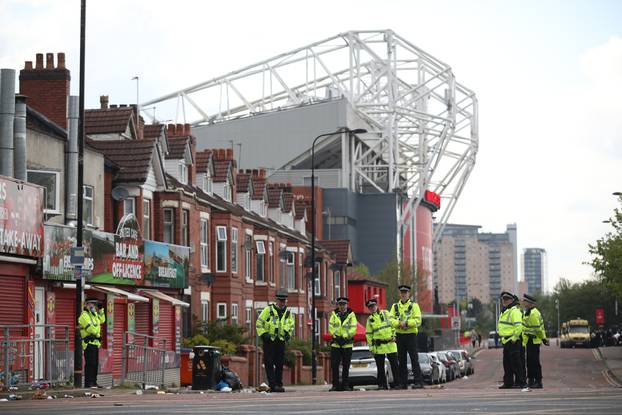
[510, 324]
[269, 322]
[533, 326]
[411, 314]
[345, 328]
[90, 328]
[380, 331]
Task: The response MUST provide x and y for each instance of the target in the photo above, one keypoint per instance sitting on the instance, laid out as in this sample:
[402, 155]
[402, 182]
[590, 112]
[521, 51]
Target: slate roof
[153, 130]
[202, 161]
[274, 197]
[133, 157]
[107, 121]
[177, 148]
[340, 248]
[288, 202]
[301, 207]
[242, 180]
[259, 186]
[221, 170]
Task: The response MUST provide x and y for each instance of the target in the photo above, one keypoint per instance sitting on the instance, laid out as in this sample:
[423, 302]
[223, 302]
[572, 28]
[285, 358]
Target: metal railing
[144, 359]
[38, 352]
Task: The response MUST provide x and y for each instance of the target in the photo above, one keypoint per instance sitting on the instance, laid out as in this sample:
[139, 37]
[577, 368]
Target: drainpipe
[19, 138]
[7, 112]
[71, 160]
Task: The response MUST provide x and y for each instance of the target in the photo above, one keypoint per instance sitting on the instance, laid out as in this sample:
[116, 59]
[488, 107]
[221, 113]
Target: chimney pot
[122, 105]
[187, 129]
[60, 64]
[103, 102]
[39, 61]
[262, 172]
[171, 130]
[28, 66]
[255, 172]
[229, 154]
[113, 106]
[179, 129]
[49, 61]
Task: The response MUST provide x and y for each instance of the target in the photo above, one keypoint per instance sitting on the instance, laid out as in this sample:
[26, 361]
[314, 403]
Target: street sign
[455, 322]
[77, 256]
[600, 316]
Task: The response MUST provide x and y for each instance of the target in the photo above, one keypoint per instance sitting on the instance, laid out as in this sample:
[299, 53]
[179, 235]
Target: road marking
[596, 354]
[610, 380]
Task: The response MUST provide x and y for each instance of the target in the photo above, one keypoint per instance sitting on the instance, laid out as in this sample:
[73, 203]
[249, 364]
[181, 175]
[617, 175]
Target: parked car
[429, 370]
[453, 369]
[464, 361]
[441, 367]
[363, 367]
[493, 340]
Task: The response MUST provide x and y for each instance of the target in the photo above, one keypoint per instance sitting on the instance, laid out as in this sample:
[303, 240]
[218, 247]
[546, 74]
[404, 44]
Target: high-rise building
[472, 264]
[534, 269]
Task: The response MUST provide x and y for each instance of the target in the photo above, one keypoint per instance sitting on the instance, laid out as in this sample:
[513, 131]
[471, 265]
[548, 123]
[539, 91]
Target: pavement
[612, 357]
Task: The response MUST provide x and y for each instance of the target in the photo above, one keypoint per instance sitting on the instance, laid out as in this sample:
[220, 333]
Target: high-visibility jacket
[342, 330]
[90, 327]
[380, 332]
[408, 312]
[278, 328]
[510, 327]
[533, 326]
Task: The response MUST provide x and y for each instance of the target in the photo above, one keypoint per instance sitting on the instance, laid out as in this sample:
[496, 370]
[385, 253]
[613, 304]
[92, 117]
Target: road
[574, 384]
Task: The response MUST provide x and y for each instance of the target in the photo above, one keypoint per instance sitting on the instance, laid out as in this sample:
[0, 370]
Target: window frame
[56, 174]
[146, 218]
[221, 244]
[205, 310]
[182, 170]
[248, 257]
[204, 242]
[337, 284]
[221, 307]
[235, 313]
[86, 198]
[260, 260]
[133, 205]
[185, 227]
[291, 270]
[168, 225]
[318, 280]
[248, 318]
[234, 250]
[271, 262]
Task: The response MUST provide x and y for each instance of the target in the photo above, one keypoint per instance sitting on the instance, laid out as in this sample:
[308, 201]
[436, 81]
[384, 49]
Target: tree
[607, 255]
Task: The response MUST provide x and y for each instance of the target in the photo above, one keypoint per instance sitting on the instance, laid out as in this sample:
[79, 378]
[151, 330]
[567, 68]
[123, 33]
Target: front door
[39, 346]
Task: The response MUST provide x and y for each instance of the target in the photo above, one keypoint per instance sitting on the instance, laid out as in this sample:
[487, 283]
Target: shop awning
[164, 297]
[118, 291]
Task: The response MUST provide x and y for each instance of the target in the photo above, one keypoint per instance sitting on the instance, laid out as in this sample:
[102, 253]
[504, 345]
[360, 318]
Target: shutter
[143, 318]
[167, 324]
[65, 311]
[119, 328]
[12, 299]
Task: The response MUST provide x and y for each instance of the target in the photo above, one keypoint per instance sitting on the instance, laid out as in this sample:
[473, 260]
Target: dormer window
[183, 172]
[227, 191]
[206, 184]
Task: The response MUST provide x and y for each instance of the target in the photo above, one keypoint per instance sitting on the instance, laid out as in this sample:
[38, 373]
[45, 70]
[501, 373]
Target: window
[249, 319]
[291, 271]
[271, 262]
[227, 191]
[221, 249]
[205, 310]
[49, 180]
[204, 243]
[318, 288]
[337, 283]
[87, 205]
[129, 206]
[169, 225]
[301, 271]
[260, 259]
[325, 279]
[185, 219]
[146, 219]
[234, 250]
[183, 173]
[206, 185]
[248, 256]
[234, 313]
[221, 311]
[282, 268]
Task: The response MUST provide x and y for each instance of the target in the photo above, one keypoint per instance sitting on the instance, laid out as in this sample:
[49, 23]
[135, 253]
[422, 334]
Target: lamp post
[313, 327]
[557, 307]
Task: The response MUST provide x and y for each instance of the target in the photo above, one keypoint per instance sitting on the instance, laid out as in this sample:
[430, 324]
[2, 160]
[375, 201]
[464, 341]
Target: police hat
[506, 295]
[342, 300]
[281, 294]
[92, 300]
[371, 302]
[403, 288]
[529, 299]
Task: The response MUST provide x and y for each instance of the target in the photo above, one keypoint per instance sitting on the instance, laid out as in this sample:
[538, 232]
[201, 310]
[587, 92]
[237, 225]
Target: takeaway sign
[21, 218]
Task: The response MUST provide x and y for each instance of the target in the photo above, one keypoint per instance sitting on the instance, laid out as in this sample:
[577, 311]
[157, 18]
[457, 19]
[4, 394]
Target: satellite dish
[120, 193]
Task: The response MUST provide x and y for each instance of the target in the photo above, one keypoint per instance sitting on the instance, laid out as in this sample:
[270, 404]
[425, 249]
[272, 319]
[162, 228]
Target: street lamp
[313, 271]
[557, 307]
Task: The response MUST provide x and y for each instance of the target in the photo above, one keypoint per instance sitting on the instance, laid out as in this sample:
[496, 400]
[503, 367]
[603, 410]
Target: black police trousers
[380, 375]
[513, 369]
[340, 356]
[407, 344]
[273, 357]
[91, 363]
[534, 370]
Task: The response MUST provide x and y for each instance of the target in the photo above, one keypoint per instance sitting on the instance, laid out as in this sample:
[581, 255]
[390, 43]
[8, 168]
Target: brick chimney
[47, 88]
[103, 102]
[140, 122]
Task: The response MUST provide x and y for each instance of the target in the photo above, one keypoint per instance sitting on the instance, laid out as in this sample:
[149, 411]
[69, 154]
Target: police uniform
[533, 335]
[341, 326]
[275, 326]
[90, 322]
[380, 334]
[510, 328]
[409, 314]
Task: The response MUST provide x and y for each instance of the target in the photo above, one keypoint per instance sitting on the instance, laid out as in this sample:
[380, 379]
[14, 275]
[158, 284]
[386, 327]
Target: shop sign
[21, 218]
[165, 265]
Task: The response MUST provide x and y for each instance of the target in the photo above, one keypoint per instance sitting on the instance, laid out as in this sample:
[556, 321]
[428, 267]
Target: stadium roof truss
[423, 125]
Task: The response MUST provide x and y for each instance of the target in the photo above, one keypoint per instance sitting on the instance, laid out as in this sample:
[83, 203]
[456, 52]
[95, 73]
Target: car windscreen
[578, 329]
[361, 354]
[456, 355]
[423, 358]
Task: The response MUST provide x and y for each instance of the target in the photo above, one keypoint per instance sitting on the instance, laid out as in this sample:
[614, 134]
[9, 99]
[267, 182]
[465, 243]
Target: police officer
[533, 335]
[90, 322]
[341, 326]
[275, 326]
[408, 315]
[510, 328]
[522, 346]
[380, 334]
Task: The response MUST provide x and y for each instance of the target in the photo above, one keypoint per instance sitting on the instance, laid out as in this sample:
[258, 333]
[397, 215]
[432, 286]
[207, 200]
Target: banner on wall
[123, 258]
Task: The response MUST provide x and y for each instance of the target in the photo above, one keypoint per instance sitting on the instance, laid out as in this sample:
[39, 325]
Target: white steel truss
[423, 125]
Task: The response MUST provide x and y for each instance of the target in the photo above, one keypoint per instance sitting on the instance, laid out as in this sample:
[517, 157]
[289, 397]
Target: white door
[39, 346]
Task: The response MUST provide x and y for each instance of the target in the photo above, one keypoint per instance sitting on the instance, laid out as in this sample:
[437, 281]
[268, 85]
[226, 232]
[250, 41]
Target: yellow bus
[575, 333]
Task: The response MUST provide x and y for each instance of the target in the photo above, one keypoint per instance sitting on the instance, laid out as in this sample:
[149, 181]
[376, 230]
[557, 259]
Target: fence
[38, 352]
[144, 359]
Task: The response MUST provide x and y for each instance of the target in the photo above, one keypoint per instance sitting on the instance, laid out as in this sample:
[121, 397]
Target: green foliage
[196, 340]
[219, 330]
[361, 269]
[226, 347]
[607, 255]
[302, 346]
[581, 300]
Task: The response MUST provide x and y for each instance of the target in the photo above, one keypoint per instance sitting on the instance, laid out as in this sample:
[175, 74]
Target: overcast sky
[548, 76]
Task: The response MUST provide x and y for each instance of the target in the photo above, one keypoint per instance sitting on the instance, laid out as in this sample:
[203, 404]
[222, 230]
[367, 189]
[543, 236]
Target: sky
[547, 74]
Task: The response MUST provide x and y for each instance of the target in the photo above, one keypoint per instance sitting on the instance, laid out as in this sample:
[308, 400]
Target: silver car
[441, 366]
[363, 369]
[464, 360]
